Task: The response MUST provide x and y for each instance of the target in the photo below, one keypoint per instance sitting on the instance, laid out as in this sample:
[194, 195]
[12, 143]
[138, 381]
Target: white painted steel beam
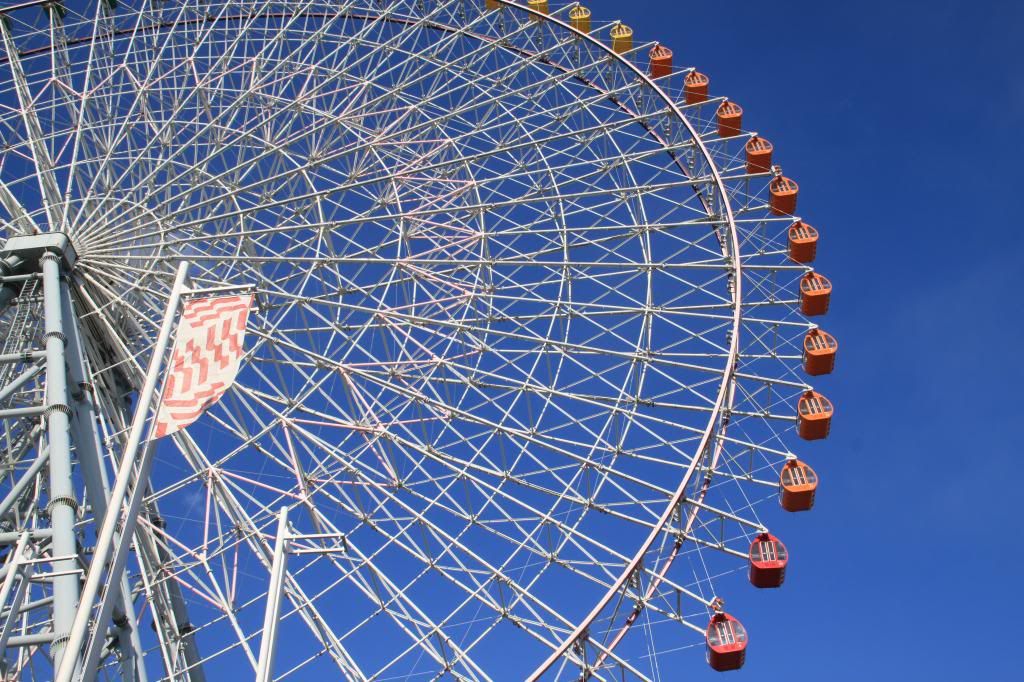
[268, 642]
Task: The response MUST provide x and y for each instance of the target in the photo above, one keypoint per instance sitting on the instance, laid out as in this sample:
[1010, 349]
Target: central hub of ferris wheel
[22, 254]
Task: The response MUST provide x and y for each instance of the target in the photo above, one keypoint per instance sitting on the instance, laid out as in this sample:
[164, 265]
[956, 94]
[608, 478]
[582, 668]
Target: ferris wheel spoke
[683, 590]
[510, 203]
[452, 550]
[43, 163]
[253, 537]
[426, 636]
[571, 350]
[252, 86]
[96, 143]
[533, 197]
[19, 217]
[63, 91]
[180, 104]
[394, 540]
[378, 141]
[413, 621]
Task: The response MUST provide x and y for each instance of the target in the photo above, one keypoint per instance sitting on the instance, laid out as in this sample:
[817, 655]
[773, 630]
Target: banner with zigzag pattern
[205, 361]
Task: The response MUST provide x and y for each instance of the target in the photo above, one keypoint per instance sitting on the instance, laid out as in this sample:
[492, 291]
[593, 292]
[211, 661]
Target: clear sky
[902, 122]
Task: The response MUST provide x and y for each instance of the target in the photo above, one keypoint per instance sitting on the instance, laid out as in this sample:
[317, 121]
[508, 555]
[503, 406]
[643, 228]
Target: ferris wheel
[513, 308]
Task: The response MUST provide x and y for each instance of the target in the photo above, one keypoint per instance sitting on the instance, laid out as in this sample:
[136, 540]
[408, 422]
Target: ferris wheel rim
[716, 416]
[710, 445]
[724, 391]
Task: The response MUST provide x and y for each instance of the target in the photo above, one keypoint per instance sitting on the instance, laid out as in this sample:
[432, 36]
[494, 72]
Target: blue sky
[902, 123]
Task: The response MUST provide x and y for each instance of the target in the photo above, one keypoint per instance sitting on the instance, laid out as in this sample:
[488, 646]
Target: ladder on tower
[21, 329]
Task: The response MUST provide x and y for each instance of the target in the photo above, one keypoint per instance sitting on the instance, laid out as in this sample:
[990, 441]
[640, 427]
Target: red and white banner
[207, 352]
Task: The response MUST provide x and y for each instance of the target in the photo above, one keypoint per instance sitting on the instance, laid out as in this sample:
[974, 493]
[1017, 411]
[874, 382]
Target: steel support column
[63, 505]
[125, 502]
[97, 488]
[268, 643]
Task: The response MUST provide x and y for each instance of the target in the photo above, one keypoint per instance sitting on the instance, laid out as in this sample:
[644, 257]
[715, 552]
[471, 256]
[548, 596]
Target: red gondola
[783, 195]
[695, 87]
[797, 485]
[814, 414]
[768, 559]
[726, 640]
[819, 352]
[661, 61]
[730, 118]
[759, 155]
[803, 242]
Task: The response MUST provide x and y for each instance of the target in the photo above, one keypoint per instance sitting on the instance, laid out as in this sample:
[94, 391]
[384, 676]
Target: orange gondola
[695, 87]
[815, 294]
[803, 242]
[579, 17]
[661, 61]
[819, 352]
[768, 559]
[726, 640]
[730, 118]
[797, 485]
[759, 155]
[539, 6]
[783, 195]
[622, 38]
[814, 416]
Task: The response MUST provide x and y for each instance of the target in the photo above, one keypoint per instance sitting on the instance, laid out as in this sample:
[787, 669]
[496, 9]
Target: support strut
[63, 505]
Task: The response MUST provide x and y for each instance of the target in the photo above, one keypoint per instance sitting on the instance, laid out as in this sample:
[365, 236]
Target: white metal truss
[521, 377]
